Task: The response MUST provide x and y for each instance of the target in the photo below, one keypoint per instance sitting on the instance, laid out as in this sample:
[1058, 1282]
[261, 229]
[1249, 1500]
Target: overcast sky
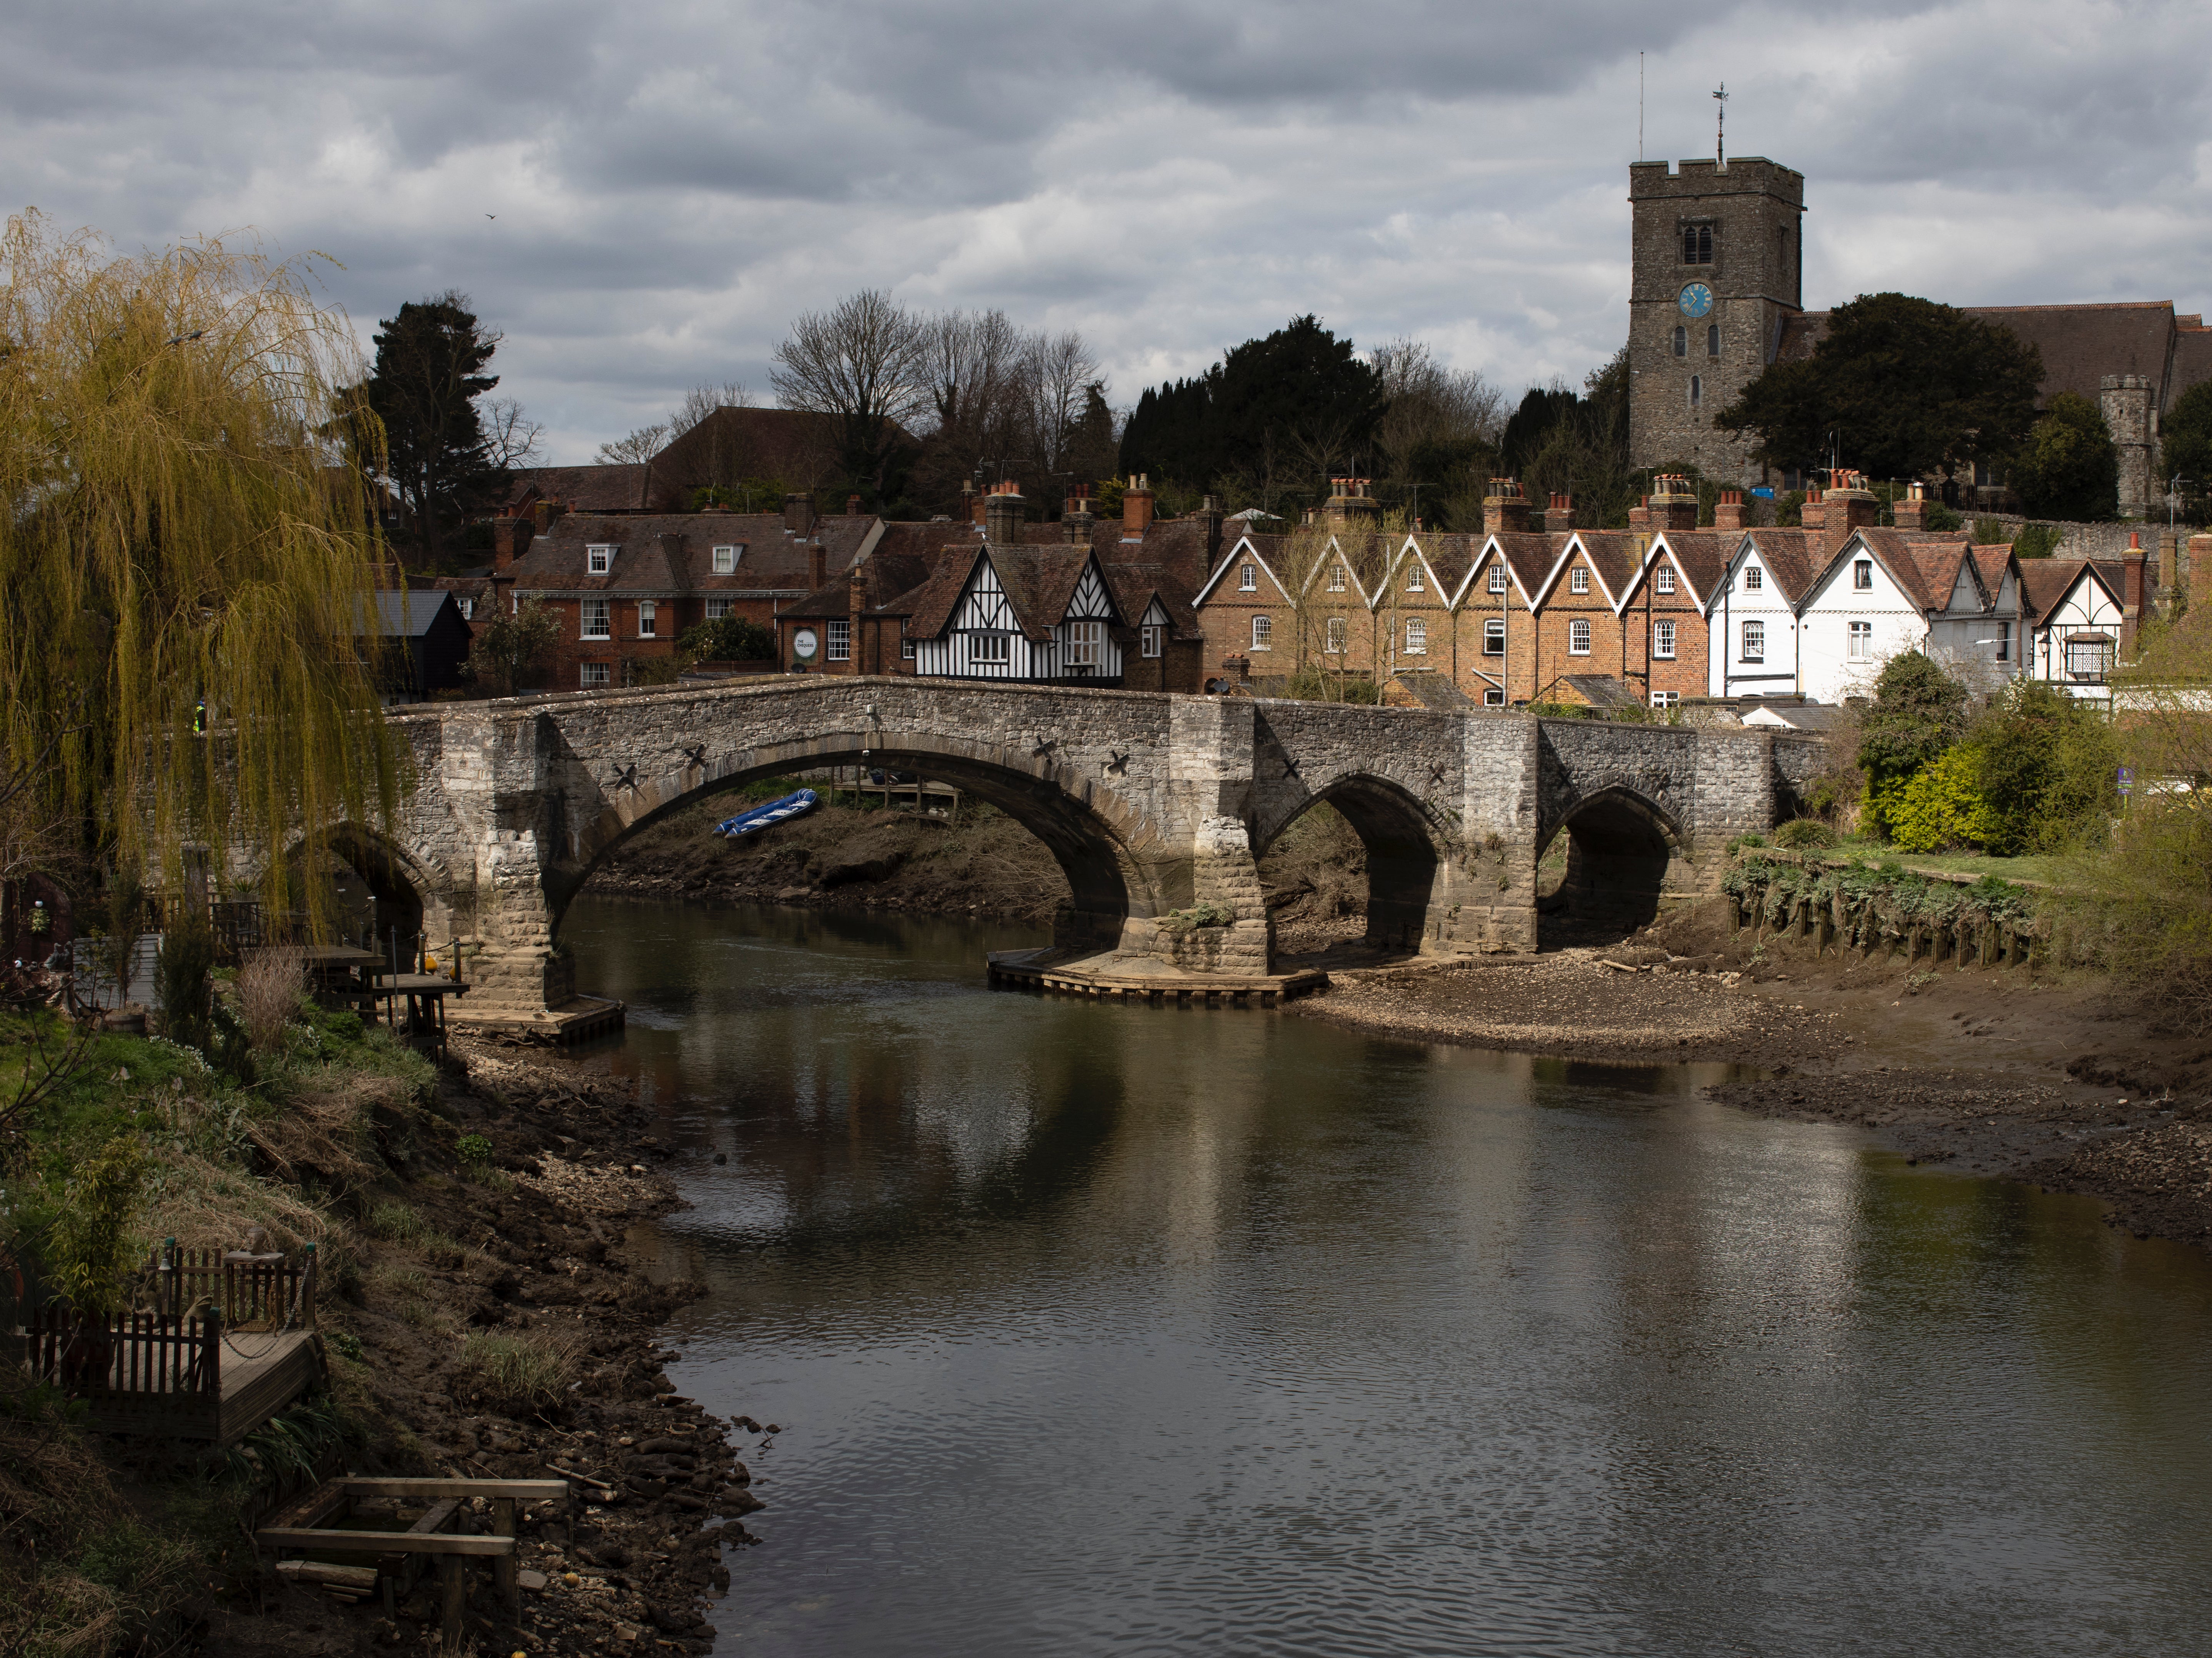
[673, 183]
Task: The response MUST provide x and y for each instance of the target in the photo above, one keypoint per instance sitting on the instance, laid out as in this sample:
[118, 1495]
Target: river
[1104, 1329]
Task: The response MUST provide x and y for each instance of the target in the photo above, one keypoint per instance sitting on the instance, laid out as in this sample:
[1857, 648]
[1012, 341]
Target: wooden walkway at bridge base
[1110, 978]
[578, 1019]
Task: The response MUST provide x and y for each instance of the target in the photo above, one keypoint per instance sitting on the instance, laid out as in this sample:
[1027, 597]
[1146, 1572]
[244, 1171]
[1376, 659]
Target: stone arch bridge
[1157, 806]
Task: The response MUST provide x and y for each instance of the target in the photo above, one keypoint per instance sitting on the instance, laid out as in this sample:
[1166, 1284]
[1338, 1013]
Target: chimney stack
[1003, 513]
[1911, 512]
[852, 506]
[1559, 514]
[547, 513]
[1848, 506]
[971, 503]
[1504, 508]
[1078, 519]
[1727, 511]
[2132, 594]
[1639, 516]
[1349, 506]
[1210, 509]
[1672, 502]
[510, 540]
[1814, 513]
[2199, 571]
[797, 514]
[1137, 507]
[817, 571]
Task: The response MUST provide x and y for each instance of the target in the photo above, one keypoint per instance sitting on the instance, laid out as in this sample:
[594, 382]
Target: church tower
[1718, 254]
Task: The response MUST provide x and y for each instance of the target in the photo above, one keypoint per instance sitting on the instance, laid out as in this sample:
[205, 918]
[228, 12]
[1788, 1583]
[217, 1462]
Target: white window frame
[1498, 578]
[468, 609]
[1754, 642]
[725, 560]
[1664, 578]
[1416, 582]
[1248, 578]
[1494, 698]
[1086, 644]
[1149, 637]
[906, 649]
[1336, 636]
[1494, 636]
[1662, 639]
[599, 561]
[1863, 575]
[1860, 647]
[839, 644]
[1263, 632]
[1578, 637]
[2089, 661]
[1578, 580]
[597, 619]
[1417, 636]
[1666, 699]
[648, 619]
[992, 650]
[1754, 578]
[595, 676]
[2004, 641]
[719, 608]
[1336, 579]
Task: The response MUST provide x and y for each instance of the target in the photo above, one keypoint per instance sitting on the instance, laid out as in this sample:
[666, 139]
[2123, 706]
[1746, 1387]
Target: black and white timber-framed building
[1026, 615]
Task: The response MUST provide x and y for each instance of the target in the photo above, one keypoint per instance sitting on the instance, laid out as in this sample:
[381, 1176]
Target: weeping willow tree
[188, 574]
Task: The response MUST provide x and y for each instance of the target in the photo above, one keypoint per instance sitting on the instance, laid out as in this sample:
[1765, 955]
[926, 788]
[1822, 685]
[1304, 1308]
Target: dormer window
[598, 561]
[1578, 580]
[1336, 580]
[1665, 579]
[1697, 244]
[1498, 578]
[1248, 579]
[1414, 583]
[725, 560]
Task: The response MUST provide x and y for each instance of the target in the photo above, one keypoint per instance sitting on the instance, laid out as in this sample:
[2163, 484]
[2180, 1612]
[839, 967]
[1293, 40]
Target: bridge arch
[1406, 846]
[1625, 852]
[1112, 856]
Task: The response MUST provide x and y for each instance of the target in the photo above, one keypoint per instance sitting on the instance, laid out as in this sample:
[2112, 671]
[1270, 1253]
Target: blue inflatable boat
[759, 817]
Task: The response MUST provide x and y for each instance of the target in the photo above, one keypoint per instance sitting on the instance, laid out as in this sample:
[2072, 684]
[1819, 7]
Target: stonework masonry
[1157, 807]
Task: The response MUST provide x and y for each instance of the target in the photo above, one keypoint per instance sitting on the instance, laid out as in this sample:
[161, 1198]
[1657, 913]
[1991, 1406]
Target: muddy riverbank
[500, 1327]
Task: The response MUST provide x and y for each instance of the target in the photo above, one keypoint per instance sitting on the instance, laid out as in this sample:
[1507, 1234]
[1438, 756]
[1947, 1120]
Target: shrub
[727, 639]
[1941, 806]
[394, 1220]
[2016, 744]
[521, 1375]
[182, 972]
[2069, 469]
[1942, 519]
[1804, 832]
[475, 1152]
[91, 1248]
[269, 989]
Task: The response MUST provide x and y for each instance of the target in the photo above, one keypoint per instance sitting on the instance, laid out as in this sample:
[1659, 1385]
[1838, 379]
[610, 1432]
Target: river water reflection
[1120, 1330]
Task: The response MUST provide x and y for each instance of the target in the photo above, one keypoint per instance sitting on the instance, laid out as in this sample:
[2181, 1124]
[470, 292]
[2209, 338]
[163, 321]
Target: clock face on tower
[1696, 300]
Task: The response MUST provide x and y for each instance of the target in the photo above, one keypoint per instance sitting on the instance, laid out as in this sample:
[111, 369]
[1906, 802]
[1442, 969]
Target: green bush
[183, 971]
[2017, 744]
[2070, 469]
[1803, 832]
[1941, 806]
[1941, 517]
[475, 1152]
[728, 639]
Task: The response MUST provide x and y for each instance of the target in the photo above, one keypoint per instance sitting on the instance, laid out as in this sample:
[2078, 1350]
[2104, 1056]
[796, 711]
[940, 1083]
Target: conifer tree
[430, 360]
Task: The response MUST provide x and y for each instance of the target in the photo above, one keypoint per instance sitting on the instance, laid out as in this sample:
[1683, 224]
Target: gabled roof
[1038, 581]
[1136, 586]
[1792, 557]
[1530, 555]
[2046, 583]
[1247, 547]
[673, 552]
[1447, 558]
[410, 614]
[1614, 554]
[1991, 563]
[608, 488]
[1701, 555]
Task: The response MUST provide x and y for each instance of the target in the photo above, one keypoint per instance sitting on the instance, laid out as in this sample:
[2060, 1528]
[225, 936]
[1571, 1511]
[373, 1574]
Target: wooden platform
[1096, 978]
[579, 1020]
[261, 1374]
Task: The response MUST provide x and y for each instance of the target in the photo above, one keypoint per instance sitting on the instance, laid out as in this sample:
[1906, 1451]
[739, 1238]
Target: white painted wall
[1749, 593]
[2087, 608]
[1893, 620]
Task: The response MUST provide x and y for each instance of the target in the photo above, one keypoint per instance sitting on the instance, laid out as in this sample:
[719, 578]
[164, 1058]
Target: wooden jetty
[1098, 978]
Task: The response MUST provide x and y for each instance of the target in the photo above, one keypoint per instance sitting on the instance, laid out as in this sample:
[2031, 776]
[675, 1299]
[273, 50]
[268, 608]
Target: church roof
[2080, 343]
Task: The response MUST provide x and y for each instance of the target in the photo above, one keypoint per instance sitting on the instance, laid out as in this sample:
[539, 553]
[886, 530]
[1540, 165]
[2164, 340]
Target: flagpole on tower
[1720, 133]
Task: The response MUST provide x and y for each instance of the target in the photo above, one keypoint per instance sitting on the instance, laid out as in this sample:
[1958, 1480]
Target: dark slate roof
[789, 444]
[625, 488]
[673, 552]
[410, 614]
[1135, 586]
[891, 582]
[2080, 343]
[1603, 690]
[2192, 362]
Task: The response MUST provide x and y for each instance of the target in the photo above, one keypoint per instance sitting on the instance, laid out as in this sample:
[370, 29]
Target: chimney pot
[852, 506]
[1727, 512]
[1559, 513]
[1846, 507]
[1504, 508]
[1003, 511]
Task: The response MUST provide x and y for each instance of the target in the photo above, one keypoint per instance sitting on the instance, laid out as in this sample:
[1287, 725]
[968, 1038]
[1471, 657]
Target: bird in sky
[491, 215]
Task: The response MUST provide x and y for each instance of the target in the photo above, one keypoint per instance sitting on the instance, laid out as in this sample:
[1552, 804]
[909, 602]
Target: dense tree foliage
[1918, 710]
[2037, 752]
[728, 639]
[2185, 444]
[508, 651]
[175, 539]
[1897, 387]
[427, 375]
[2069, 469]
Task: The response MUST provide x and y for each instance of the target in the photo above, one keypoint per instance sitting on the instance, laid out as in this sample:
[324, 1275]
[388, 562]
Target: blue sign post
[2127, 783]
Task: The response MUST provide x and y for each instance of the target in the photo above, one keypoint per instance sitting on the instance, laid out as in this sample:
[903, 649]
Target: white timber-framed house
[1030, 615]
[2077, 632]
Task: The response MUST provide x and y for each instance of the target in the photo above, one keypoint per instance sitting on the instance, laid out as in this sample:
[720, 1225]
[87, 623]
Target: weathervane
[1720, 131]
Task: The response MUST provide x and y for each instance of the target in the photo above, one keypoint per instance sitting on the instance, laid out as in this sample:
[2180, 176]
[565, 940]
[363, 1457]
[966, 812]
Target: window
[1086, 644]
[725, 560]
[840, 640]
[1578, 580]
[1712, 339]
[1494, 636]
[1861, 648]
[718, 608]
[1578, 637]
[468, 609]
[1697, 389]
[1263, 629]
[1416, 637]
[1863, 575]
[906, 650]
[2089, 659]
[1665, 579]
[2004, 641]
[1498, 578]
[1150, 636]
[1697, 244]
[598, 561]
[1336, 580]
[515, 603]
[1248, 579]
[596, 624]
[1755, 641]
[1493, 698]
[1987, 476]
[1666, 699]
[1415, 582]
[989, 649]
[594, 675]
[1662, 639]
[648, 618]
[1754, 578]
[1681, 341]
[1335, 635]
